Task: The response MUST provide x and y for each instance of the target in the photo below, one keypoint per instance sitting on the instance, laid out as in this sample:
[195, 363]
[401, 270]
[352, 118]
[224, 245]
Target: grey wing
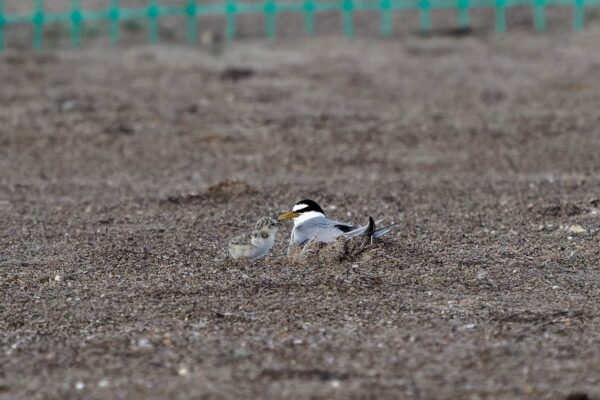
[383, 231]
[370, 231]
[322, 230]
[359, 230]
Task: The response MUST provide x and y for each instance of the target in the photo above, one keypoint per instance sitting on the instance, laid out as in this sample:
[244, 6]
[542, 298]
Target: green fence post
[2, 23]
[309, 17]
[192, 21]
[463, 13]
[270, 11]
[76, 19]
[347, 18]
[38, 24]
[386, 17]
[114, 15]
[425, 18]
[539, 15]
[230, 28]
[500, 16]
[152, 13]
[579, 15]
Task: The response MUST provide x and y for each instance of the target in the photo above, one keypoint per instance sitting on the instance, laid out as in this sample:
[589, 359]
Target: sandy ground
[125, 170]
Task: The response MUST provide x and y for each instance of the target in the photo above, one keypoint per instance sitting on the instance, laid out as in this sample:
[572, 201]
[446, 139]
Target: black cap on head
[308, 205]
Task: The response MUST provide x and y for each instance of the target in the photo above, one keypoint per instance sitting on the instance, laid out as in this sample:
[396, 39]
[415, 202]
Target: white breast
[263, 245]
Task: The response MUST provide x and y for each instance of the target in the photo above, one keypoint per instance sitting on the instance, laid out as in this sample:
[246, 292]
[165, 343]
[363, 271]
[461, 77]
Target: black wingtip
[371, 228]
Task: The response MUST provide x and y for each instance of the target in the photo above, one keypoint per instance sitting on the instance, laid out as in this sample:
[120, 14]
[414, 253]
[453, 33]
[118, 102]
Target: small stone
[68, 105]
[183, 371]
[207, 38]
[241, 352]
[577, 229]
[528, 389]
[79, 385]
[199, 325]
[166, 339]
[335, 384]
[103, 383]
[143, 343]
[57, 278]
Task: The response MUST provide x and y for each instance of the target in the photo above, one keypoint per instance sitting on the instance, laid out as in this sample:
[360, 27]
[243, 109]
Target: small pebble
[68, 105]
[143, 343]
[577, 229]
[241, 352]
[79, 385]
[199, 325]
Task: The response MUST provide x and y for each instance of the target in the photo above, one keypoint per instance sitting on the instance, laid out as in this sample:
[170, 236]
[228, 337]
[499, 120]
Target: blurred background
[253, 18]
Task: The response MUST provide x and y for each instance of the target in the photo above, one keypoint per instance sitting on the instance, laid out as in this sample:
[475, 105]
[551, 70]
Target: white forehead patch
[299, 207]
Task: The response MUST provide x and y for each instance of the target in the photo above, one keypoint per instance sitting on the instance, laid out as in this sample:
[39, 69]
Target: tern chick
[256, 244]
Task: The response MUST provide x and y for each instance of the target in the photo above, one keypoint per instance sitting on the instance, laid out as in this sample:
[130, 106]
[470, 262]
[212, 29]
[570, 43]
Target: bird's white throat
[306, 216]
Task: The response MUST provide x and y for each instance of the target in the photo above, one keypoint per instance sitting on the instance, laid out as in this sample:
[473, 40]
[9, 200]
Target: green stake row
[76, 16]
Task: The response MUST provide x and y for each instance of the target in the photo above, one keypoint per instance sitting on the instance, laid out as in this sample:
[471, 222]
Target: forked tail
[370, 231]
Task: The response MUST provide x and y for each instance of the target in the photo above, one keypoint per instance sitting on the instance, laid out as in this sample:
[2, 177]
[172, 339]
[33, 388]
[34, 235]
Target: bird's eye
[265, 235]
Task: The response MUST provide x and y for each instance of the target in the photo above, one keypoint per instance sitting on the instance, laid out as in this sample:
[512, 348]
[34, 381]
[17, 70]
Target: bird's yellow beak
[287, 215]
